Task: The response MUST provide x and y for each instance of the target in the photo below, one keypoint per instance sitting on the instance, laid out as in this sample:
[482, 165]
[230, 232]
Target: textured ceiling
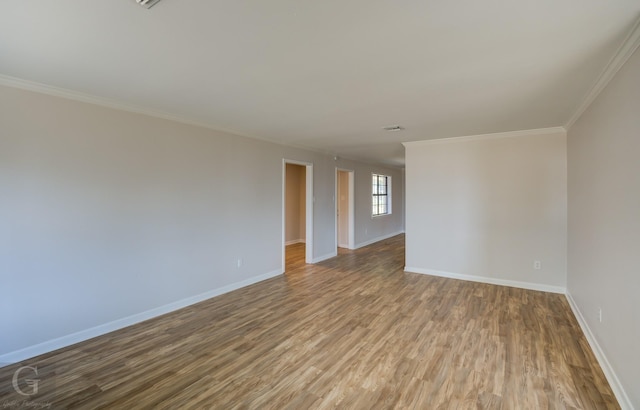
[326, 75]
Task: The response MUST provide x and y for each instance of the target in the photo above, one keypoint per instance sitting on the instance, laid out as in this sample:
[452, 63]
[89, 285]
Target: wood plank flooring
[353, 332]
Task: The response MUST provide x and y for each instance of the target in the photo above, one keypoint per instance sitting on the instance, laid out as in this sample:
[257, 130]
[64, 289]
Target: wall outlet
[239, 262]
[600, 314]
[537, 265]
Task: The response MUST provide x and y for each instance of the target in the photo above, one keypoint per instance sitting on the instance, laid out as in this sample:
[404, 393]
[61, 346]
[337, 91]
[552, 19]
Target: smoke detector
[393, 128]
[147, 3]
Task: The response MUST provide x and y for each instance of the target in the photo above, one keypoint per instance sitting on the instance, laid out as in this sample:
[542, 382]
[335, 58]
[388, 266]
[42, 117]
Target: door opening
[344, 208]
[297, 214]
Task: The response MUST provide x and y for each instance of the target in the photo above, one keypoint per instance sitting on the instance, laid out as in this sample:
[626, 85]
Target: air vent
[393, 128]
[147, 3]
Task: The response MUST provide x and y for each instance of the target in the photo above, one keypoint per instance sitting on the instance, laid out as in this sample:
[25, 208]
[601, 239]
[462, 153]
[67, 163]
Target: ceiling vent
[393, 128]
[147, 3]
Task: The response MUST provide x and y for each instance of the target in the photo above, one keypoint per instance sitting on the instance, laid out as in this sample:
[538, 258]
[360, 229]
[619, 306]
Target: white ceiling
[327, 74]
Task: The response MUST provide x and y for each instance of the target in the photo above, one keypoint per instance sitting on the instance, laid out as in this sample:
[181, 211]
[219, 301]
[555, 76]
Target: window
[381, 195]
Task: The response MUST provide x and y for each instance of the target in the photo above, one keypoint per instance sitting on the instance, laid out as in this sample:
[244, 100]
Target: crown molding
[497, 135]
[40, 88]
[626, 50]
[36, 87]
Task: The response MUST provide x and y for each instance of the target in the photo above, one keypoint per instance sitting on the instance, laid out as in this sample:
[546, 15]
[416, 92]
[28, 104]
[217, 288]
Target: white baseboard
[294, 241]
[492, 281]
[612, 378]
[377, 239]
[325, 257]
[81, 336]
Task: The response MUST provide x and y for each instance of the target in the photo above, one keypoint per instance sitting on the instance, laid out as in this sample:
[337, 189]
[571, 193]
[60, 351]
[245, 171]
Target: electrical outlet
[537, 265]
[600, 314]
[239, 262]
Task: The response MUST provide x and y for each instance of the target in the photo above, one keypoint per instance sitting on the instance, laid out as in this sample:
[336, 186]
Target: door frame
[351, 206]
[309, 199]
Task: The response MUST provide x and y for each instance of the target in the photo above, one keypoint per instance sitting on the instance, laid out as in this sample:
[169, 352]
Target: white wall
[604, 223]
[106, 215]
[487, 208]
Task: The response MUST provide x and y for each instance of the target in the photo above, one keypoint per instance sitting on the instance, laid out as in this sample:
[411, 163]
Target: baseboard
[294, 241]
[612, 378]
[81, 336]
[492, 281]
[325, 257]
[377, 239]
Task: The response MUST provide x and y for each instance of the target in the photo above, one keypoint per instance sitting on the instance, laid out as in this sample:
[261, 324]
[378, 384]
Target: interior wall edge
[491, 281]
[610, 374]
[377, 239]
[83, 335]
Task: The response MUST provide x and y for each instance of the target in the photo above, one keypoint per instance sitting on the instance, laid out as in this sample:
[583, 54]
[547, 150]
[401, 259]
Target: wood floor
[352, 332]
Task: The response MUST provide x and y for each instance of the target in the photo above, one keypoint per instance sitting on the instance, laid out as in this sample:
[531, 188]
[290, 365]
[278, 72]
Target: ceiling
[326, 75]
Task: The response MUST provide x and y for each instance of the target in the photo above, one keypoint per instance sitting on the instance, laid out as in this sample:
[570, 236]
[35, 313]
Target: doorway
[345, 208]
[297, 214]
